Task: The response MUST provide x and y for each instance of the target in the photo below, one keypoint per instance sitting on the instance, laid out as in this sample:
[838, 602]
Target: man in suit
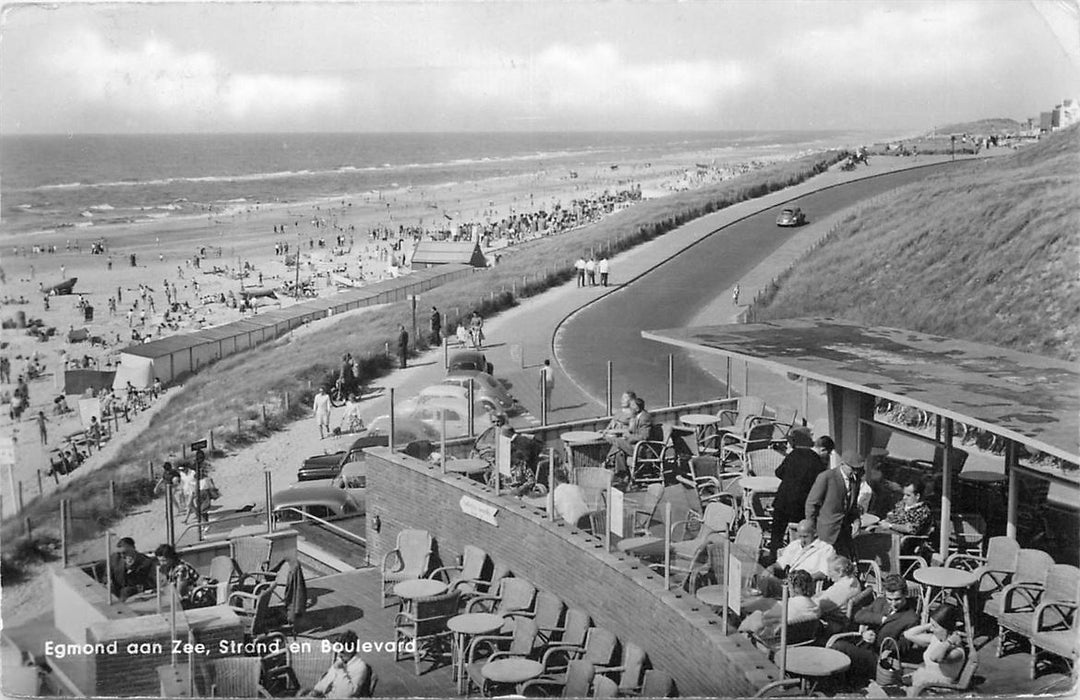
[797, 473]
[640, 428]
[887, 617]
[832, 503]
[132, 571]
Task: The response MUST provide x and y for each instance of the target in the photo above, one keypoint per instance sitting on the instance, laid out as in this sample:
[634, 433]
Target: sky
[544, 65]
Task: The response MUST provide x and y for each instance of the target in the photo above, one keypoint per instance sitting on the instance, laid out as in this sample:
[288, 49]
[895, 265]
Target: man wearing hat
[797, 474]
[832, 503]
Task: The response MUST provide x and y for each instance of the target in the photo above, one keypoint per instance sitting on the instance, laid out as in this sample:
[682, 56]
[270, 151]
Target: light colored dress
[937, 666]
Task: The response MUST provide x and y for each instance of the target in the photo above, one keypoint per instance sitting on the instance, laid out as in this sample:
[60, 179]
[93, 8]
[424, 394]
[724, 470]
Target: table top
[466, 466]
[817, 662]
[982, 477]
[868, 519]
[633, 544]
[759, 483]
[699, 419]
[712, 595]
[574, 437]
[419, 588]
[475, 623]
[511, 670]
[945, 577]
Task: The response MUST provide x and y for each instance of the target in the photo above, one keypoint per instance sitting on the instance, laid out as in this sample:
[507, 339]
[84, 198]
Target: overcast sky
[542, 65]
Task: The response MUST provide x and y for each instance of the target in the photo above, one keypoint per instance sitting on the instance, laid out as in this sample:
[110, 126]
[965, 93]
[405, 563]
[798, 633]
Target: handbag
[889, 670]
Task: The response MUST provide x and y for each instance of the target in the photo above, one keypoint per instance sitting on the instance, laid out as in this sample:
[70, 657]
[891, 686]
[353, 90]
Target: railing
[326, 524]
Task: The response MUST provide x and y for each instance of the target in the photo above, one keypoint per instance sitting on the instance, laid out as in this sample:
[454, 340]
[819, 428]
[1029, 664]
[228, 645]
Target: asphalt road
[670, 295]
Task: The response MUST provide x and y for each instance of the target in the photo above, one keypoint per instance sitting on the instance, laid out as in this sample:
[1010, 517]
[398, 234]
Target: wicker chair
[410, 559]
[425, 626]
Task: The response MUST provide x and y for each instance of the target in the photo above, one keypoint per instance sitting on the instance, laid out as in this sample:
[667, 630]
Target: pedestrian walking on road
[403, 346]
[322, 411]
[580, 267]
[547, 383]
[42, 430]
[735, 295]
[590, 271]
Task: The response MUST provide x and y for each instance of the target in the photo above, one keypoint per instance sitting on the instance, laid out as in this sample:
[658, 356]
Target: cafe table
[939, 583]
[411, 589]
[468, 467]
[756, 484]
[700, 423]
[585, 448]
[464, 627]
[511, 670]
[811, 664]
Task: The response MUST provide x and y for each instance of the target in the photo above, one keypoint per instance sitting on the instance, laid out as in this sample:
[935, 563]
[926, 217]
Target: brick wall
[679, 634]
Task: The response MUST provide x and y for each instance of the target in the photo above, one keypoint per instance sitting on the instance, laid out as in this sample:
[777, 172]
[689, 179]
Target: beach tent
[77, 381]
[443, 252]
[89, 408]
[137, 370]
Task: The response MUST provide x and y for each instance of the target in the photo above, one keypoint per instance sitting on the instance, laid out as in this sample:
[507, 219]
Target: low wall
[680, 635]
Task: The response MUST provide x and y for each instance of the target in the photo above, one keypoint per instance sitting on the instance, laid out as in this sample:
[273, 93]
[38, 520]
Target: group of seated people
[133, 572]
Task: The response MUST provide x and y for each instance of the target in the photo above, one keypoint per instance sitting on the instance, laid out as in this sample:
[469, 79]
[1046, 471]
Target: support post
[63, 532]
[607, 519]
[112, 494]
[727, 381]
[40, 489]
[783, 629]
[610, 408]
[946, 490]
[805, 399]
[268, 486]
[391, 439]
[746, 378]
[108, 565]
[724, 583]
[667, 545]
[471, 409]
[671, 380]
[20, 496]
[170, 517]
[543, 405]
[551, 485]
[446, 353]
[1014, 485]
[496, 474]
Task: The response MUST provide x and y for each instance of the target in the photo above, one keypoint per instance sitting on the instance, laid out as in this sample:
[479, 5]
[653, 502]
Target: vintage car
[328, 466]
[791, 216]
[486, 388]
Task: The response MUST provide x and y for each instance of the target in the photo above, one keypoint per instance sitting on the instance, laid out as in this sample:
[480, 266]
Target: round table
[700, 423]
[419, 588]
[511, 670]
[463, 627]
[585, 448]
[939, 582]
[645, 546]
[466, 466]
[812, 663]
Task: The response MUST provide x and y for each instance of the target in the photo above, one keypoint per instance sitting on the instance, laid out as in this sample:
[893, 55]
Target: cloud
[157, 79]
[593, 79]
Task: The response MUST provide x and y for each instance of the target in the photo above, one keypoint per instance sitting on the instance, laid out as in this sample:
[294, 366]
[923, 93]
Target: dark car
[791, 216]
[470, 360]
[329, 466]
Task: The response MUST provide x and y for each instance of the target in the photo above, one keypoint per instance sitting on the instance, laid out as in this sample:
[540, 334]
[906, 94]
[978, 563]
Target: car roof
[310, 495]
[467, 356]
[444, 391]
[462, 374]
[357, 468]
[369, 441]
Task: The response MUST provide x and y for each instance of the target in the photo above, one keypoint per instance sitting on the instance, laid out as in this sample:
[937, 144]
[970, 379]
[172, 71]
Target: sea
[50, 183]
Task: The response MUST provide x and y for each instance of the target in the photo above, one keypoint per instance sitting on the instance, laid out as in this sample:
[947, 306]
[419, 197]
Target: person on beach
[42, 430]
[476, 330]
[620, 422]
[322, 411]
[735, 295]
[602, 267]
[178, 572]
[944, 657]
[403, 346]
[349, 676]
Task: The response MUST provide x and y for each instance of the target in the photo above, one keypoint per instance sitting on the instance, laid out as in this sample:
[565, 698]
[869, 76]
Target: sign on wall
[478, 509]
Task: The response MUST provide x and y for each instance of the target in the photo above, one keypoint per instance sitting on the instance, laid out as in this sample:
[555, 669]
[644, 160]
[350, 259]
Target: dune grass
[242, 384]
[986, 252]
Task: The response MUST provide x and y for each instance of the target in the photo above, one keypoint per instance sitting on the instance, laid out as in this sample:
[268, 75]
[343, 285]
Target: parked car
[470, 360]
[353, 479]
[320, 501]
[328, 466]
[406, 430]
[486, 388]
[425, 418]
[791, 216]
[483, 401]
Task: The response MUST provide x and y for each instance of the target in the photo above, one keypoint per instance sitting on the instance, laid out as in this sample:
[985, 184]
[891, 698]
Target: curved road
[672, 293]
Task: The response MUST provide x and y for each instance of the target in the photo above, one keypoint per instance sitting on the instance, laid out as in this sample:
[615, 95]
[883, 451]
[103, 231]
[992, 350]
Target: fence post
[26, 526]
[286, 407]
[63, 532]
[609, 395]
[210, 440]
[150, 469]
[40, 490]
[112, 494]
[263, 406]
[391, 440]
[671, 380]
[20, 496]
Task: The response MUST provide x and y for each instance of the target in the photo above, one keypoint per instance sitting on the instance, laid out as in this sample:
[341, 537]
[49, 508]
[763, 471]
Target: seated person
[620, 422]
[805, 552]
[641, 424]
[944, 655]
[524, 454]
[834, 598]
[912, 515]
[484, 445]
[177, 572]
[349, 676]
[131, 571]
[801, 607]
[887, 617]
[570, 502]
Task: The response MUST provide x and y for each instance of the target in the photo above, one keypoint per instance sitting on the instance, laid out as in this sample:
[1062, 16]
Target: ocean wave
[101, 207]
[61, 186]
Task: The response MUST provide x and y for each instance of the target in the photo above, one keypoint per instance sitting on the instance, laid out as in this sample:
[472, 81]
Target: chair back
[604, 687]
[968, 533]
[579, 678]
[414, 548]
[747, 407]
[748, 540]
[763, 462]
[251, 553]
[523, 639]
[222, 569]
[576, 627]
[234, 676]
[1061, 584]
[515, 594]
[718, 517]
[759, 437]
[594, 482]
[432, 613]
[549, 611]
[1032, 566]
[498, 573]
[633, 666]
[599, 646]
[259, 622]
[804, 631]
[1002, 553]
[658, 433]
[658, 684]
[704, 466]
[473, 560]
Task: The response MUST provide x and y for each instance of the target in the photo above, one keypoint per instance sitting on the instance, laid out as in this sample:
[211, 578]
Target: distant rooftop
[1028, 398]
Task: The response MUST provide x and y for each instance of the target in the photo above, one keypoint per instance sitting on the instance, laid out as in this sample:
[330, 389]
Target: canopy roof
[1028, 398]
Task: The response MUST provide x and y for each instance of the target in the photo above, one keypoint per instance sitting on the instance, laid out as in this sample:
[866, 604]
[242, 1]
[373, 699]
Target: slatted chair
[654, 459]
[710, 482]
[1022, 603]
[734, 447]
[252, 556]
[784, 420]
[235, 677]
[256, 613]
[598, 650]
[996, 569]
[578, 680]
[594, 483]
[576, 625]
[1056, 631]
[658, 684]
[963, 682]
[485, 648]
[467, 578]
[630, 670]
[738, 419]
[221, 579]
[643, 515]
[548, 611]
[513, 595]
[410, 559]
[690, 535]
[968, 534]
[1032, 568]
[749, 539]
[799, 634]
[425, 626]
[604, 687]
[763, 462]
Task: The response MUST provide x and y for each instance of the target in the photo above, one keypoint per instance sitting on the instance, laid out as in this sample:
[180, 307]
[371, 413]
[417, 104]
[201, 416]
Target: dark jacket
[833, 508]
[797, 474]
[141, 575]
[877, 617]
[295, 594]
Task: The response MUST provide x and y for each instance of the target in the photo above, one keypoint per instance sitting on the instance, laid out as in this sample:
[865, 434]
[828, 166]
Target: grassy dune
[986, 252]
[240, 385]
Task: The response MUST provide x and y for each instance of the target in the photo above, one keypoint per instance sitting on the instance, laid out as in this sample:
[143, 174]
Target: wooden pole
[946, 492]
[20, 496]
[607, 520]
[551, 485]
[746, 378]
[497, 476]
[40, 489]
[671, 380]
[442, 442]
[112, 494]
[805, 399]
[150, 469]
[667, 545]
[391, 439]
[27, 528]
[63, 532]
[1012, 502]
[783, 629]
[610, 407]
[471, 410]
[268, 487]
[108, 565]
[170, 517]
[724, 583]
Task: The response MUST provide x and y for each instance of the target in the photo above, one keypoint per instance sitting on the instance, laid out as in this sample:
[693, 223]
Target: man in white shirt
[580, 267]
[804, 553]
[349, 676]
[602, 267]
[570, 503]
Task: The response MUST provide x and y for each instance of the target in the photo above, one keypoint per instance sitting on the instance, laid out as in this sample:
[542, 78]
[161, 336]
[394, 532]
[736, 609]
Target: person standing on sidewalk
[547, 383]
[580, 267]
[602, 268]
[436, 327]
[322, 411]
[403, 346]
[590, 271]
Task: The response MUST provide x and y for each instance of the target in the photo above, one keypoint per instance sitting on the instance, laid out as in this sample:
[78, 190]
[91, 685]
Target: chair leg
[1034, 659]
